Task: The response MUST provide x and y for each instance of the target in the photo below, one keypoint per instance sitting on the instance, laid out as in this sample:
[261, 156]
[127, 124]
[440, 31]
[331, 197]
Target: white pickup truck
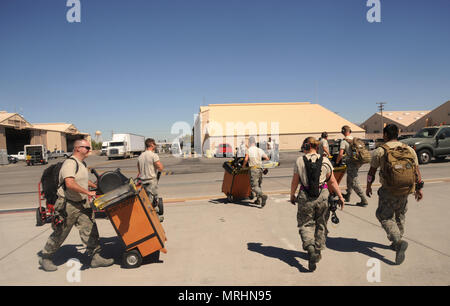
[60, 153]
[20, 155]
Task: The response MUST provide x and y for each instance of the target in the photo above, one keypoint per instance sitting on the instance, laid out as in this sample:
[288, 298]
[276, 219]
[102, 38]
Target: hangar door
[16, 139]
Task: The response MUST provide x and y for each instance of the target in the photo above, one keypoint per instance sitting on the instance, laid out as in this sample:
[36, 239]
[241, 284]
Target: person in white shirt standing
[352, 167]
[254, 158]
[324, 148]
[148, 164]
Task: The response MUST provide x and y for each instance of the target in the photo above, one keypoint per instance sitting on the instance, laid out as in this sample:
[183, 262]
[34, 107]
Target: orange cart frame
[137, 224]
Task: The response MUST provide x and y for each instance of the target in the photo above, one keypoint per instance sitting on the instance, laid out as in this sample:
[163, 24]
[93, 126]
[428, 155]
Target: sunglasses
[87, 147]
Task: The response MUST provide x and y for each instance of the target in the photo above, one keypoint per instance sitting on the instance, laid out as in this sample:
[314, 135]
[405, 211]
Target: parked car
[20, 155]
[59, 153]
[370, 144]
[379, 142]
[431, 142]
[12, 159]
[224, 150]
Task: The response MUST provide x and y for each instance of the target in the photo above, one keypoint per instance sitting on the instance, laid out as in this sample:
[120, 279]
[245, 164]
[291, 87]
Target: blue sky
[140, 66]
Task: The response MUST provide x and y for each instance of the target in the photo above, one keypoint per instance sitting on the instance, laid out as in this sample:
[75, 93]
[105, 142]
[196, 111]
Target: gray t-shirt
[69, 169]
[347, 148]
[323, 145]
[146, 165]
[299, 168]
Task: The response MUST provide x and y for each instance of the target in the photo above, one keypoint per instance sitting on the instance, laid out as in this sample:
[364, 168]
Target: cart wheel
[229, 198]
[160, 206]
[132, 259]
[39, 220]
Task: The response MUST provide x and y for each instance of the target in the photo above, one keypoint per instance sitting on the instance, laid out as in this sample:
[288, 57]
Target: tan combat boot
[313, 258]
[400, 249]
[47, 264]
[98, 261]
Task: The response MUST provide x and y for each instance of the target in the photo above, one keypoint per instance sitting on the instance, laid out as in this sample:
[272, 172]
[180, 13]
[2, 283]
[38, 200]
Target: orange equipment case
[137, 223]
[236, 185]
[339, 172]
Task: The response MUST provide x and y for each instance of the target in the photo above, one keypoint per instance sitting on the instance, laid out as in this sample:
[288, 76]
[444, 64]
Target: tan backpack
[359, 152]
[399, 170]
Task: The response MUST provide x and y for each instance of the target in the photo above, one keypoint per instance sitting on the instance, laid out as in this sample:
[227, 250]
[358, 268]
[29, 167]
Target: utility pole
[380, 108]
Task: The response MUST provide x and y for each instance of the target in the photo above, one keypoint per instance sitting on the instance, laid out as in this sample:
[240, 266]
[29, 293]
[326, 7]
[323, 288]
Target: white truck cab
[125, 145]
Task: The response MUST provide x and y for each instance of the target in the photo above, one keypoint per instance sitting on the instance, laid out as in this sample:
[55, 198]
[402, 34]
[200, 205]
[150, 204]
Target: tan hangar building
[408, 122]
[287, 123]
[16, 132]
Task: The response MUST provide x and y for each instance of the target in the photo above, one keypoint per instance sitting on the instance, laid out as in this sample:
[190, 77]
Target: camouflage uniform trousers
[256, 181]
[311, 219]
[151, 187]
[391, 214]
[352, 181]
[83, 218]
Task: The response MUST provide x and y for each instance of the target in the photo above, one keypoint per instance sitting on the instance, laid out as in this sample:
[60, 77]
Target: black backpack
[50, 181]
[313, 170]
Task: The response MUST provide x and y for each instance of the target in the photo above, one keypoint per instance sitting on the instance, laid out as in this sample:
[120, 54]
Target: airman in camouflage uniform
[392, 208]
[352, 168]
[312, 212]
[254, 157]
[73, 207]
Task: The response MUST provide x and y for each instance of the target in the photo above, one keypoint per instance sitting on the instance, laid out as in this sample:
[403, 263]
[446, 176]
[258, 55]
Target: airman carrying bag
[359, 152]
[399, 170]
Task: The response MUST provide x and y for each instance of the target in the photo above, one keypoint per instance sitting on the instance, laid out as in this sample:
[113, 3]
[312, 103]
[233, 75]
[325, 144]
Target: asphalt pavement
[212, 242]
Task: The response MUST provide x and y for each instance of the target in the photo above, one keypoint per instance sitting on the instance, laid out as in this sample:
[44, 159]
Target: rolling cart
[236, 179]
[135, 221]
[43, 214]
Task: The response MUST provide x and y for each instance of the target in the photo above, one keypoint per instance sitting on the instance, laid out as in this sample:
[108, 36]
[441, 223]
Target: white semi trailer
[125, 145]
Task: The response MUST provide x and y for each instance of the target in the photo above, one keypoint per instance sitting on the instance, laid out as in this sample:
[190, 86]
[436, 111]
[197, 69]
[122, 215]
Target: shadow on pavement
[287, 256]
[354, 245]
[244, 202]
[112, 247]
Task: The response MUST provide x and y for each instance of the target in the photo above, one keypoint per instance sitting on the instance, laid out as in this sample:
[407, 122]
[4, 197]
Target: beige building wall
[373, 124]
[438, 116]
[403, 119]
[63, 142]
[2, 138]
[54, 140]
[286, 123]
[39, 137]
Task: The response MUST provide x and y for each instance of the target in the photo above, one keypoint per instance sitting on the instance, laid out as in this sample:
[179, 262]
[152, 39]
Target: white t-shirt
[255, 156]
[323, 145]
[146, 165]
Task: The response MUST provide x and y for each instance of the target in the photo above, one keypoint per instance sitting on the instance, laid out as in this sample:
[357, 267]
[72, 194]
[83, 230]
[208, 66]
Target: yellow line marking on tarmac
[275, 192]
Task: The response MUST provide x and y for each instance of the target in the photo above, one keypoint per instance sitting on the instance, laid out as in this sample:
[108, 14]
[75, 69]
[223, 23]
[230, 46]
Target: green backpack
[399, 170]
[359, 152]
